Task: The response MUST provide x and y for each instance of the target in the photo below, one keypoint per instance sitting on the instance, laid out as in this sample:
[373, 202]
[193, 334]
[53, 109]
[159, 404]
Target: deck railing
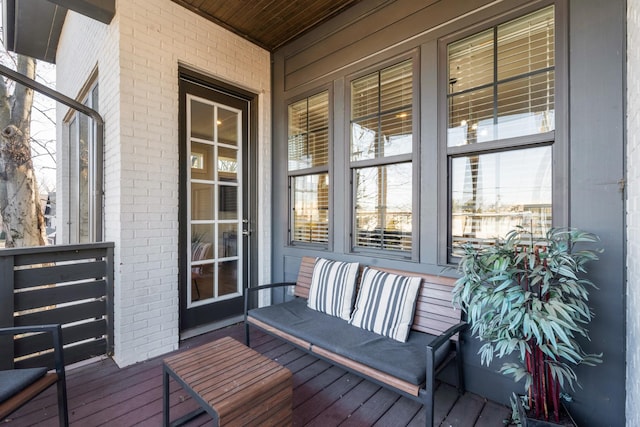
[67, 284]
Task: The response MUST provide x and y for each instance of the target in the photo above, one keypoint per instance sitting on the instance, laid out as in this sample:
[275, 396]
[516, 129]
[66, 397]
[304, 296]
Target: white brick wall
[633, 214]
[138, 57]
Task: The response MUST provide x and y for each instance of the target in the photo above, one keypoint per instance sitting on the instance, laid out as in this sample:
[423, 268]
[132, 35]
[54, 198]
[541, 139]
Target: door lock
[246, 230]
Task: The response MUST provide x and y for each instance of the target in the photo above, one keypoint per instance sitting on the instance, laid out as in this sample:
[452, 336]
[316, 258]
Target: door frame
[189, 76]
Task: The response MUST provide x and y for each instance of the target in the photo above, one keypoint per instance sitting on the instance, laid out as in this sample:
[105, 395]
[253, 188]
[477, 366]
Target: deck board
[323, 395]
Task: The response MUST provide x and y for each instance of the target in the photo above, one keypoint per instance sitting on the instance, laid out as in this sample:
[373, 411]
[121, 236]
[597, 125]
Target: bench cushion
[333, 287]
[13, 381]
[406, 361]
[386, 303]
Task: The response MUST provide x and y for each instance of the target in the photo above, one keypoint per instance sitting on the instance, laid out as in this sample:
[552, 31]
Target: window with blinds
[502, 82]
[501, 88]
[381, 154]
[308, 165]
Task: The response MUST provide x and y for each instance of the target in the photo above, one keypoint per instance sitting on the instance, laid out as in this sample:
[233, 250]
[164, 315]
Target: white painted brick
[137, 57]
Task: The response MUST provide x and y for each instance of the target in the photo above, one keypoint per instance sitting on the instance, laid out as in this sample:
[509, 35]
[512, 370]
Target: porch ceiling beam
[32, 28]
[100, 10]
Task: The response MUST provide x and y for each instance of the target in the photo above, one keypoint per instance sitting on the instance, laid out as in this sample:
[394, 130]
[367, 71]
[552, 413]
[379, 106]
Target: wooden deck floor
[102, 394]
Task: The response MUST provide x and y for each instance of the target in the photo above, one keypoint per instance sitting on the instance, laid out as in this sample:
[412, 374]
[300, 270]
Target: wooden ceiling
[268, 23]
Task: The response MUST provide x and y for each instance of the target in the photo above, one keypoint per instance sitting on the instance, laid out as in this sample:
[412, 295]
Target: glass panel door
[215, 211]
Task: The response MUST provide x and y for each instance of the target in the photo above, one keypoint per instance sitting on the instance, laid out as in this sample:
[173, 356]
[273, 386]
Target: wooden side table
[234, 384]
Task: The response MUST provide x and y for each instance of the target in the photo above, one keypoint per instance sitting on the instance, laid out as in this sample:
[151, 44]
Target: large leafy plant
[527, 297]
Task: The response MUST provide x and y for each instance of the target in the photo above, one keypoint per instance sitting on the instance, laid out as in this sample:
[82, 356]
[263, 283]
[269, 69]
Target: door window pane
[383, 207]
[202, 197]
[227, 125]
[227, 164]
[201, 120]
[228, 278]
[202, 161]
[492, 193]
[228, 202]
[227, 240]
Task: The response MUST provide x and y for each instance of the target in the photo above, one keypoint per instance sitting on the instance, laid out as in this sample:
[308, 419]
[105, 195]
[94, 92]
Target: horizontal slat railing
[67, 284]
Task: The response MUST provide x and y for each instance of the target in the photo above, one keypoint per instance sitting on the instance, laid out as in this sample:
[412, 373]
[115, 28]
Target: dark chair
[19, 386]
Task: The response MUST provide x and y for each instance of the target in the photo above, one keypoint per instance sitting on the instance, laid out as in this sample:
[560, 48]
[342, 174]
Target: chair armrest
[56, 332]
[445, 337]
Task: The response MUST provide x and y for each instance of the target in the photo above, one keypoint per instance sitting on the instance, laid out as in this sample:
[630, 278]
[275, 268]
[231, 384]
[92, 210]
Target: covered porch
[100, 393]
[315, 64]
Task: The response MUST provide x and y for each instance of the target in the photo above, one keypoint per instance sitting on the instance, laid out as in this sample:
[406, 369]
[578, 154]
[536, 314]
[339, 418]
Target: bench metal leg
[247, 337]
[460, 366]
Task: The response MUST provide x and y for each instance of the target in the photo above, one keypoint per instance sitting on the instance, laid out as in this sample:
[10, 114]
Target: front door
[214, 204]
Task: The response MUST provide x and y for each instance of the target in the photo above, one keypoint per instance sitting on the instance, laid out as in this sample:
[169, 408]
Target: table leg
[165, 397]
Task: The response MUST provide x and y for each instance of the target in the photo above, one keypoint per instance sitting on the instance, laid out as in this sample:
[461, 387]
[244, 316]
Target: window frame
[557, 139]
[310, 171]
[89, 95]
[412, 158]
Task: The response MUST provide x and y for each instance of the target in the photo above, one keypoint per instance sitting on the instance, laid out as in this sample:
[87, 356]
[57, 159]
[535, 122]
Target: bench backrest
[434, 311]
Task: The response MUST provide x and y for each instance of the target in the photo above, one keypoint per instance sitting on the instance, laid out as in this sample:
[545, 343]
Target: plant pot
[526, 421]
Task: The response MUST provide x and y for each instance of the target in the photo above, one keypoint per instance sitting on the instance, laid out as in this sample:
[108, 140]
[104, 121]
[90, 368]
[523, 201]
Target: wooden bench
[231, 382]
[434, 317]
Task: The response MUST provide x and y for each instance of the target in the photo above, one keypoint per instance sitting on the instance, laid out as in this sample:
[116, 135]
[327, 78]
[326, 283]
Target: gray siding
[374, 31]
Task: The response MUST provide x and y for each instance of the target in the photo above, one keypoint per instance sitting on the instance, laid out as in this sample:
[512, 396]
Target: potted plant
[526, 297]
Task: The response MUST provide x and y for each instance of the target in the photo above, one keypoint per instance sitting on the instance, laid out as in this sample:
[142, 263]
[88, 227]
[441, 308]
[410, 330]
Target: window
[501, 129]
[308, 166]
[80, 221]
[381, 154]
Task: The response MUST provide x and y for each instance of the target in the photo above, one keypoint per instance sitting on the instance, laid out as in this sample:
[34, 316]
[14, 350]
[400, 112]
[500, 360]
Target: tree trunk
[22, 216]
[20, 209]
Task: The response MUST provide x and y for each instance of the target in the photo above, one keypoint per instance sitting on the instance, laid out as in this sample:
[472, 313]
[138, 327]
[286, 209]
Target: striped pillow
[333, 287]
[386, 303]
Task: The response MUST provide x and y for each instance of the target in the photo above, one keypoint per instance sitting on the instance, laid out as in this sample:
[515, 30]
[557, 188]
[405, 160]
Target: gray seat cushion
[406, 361]
[13, 381]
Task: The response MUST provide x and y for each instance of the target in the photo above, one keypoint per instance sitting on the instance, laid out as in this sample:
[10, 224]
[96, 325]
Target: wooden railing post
[6, 310]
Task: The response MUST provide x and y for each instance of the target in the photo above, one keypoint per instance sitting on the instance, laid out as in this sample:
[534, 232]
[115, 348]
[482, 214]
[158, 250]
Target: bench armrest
[248, 291]
[269, 286]
[445, 337]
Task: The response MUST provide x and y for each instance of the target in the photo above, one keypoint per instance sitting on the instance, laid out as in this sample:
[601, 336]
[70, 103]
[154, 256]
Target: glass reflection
[310, 208]
[491, 194]
[228, 282]
[201, 120]
[227, 164]
[227, 124]
[227, 240]
[202, 262]
[202, 197]
[202, 161]
[384, 207]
